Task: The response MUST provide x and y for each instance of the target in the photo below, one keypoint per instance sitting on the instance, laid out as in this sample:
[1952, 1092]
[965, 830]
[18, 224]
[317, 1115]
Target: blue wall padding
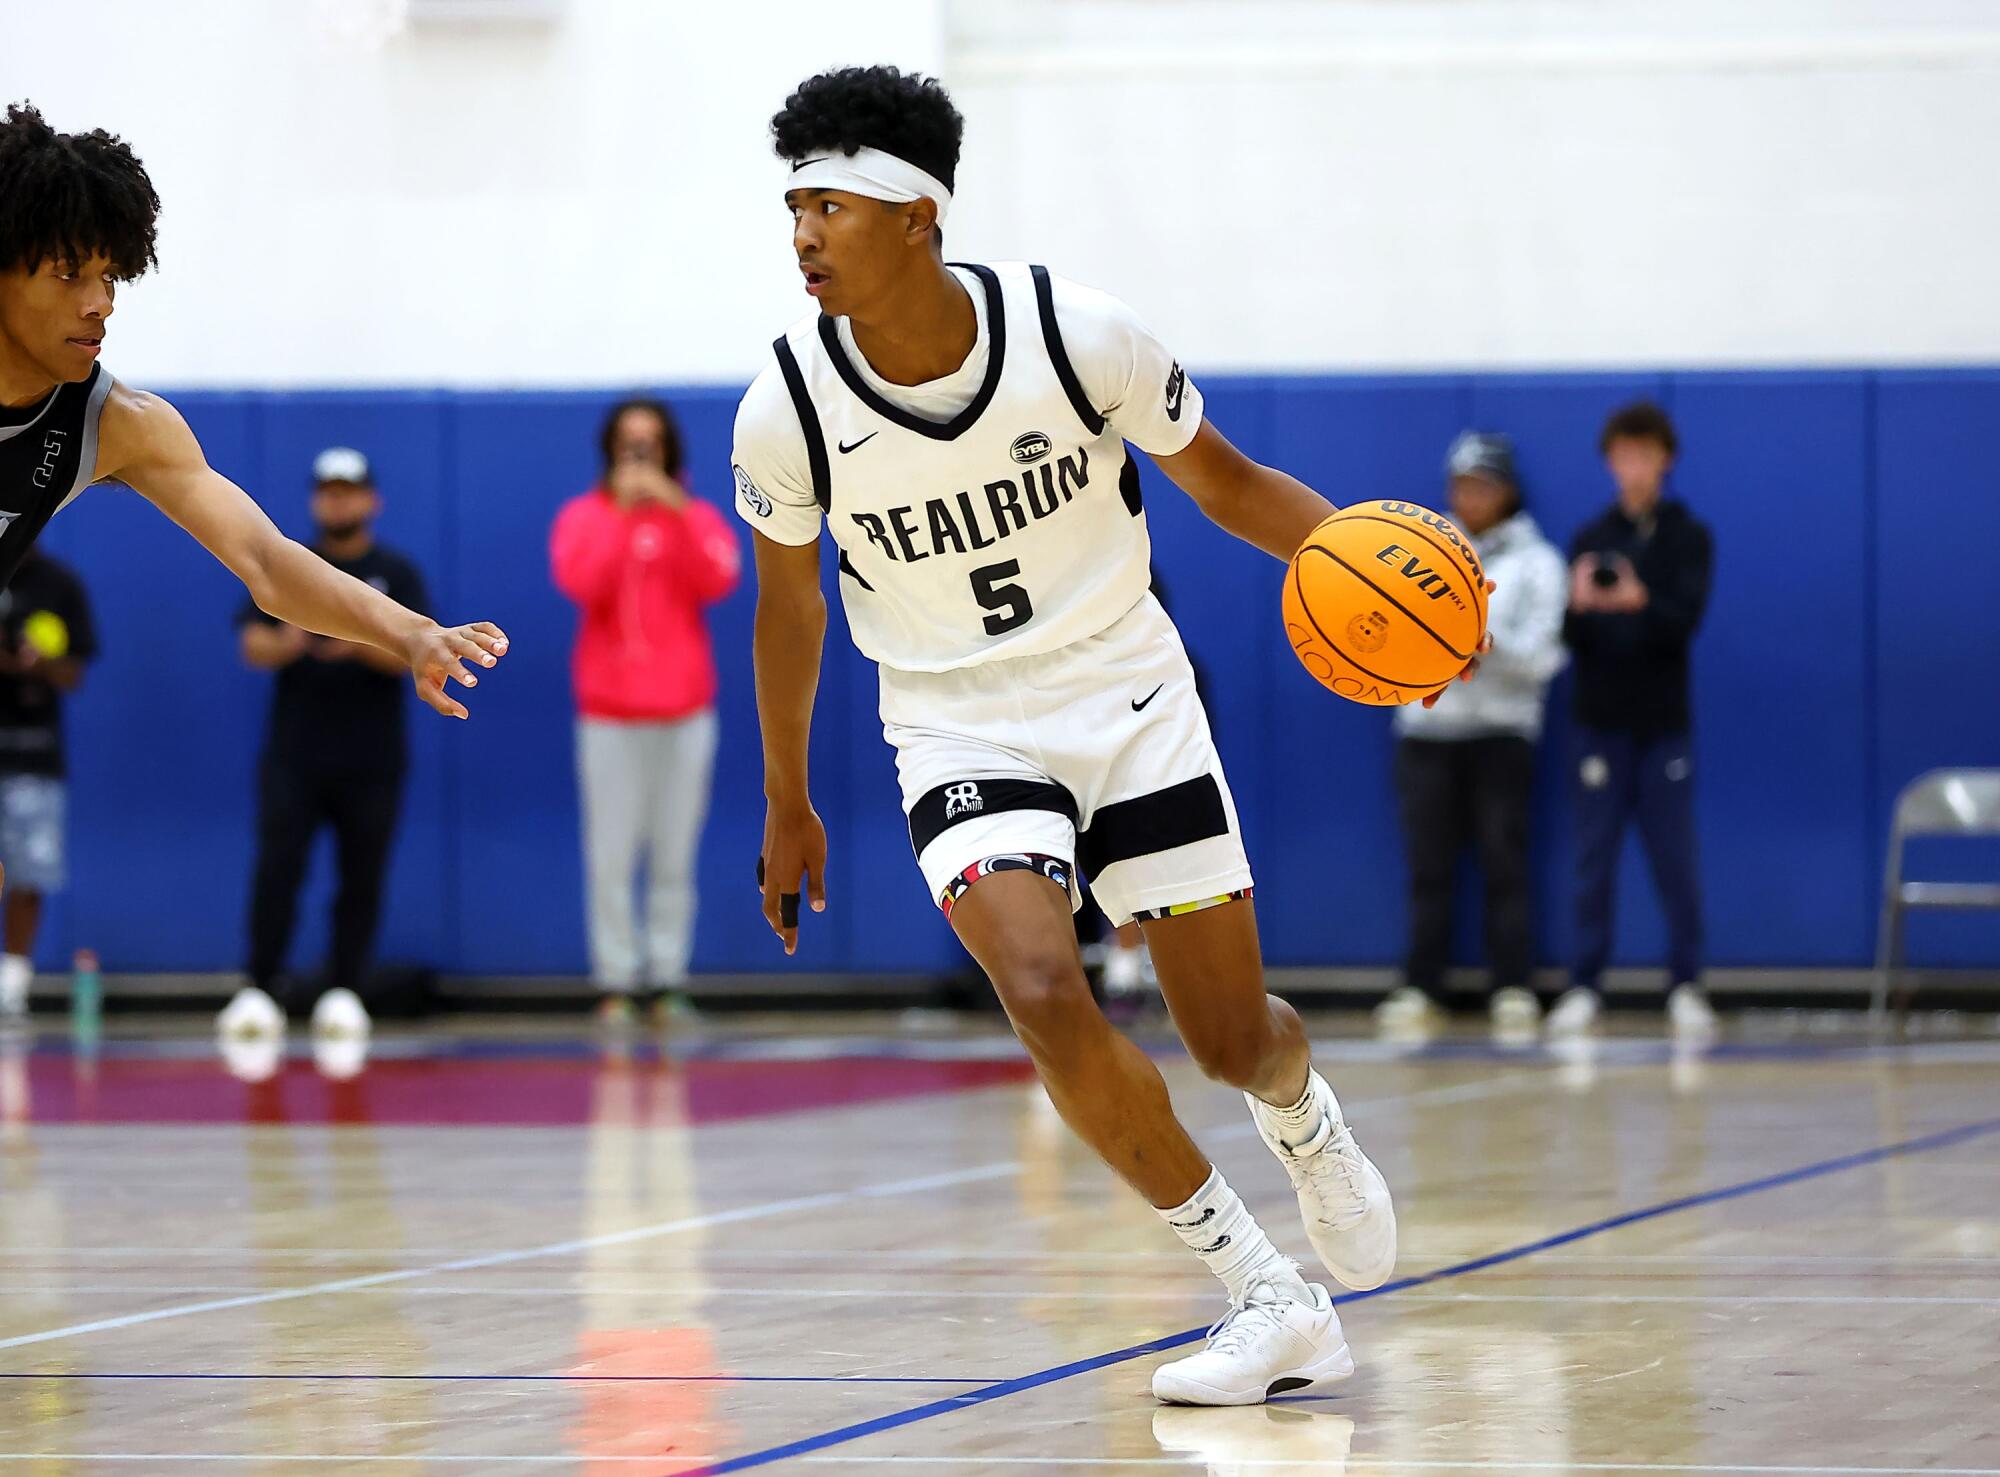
[1852, 642]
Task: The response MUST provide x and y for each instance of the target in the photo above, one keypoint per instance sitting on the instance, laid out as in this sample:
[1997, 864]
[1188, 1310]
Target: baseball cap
[342, 464]
[1483, 454]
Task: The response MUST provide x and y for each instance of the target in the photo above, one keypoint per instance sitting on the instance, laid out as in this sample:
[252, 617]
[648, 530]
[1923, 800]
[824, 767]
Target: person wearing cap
[1465, 768]
[1639, 582]
[47, 637]
[642, 559]
[333, 757]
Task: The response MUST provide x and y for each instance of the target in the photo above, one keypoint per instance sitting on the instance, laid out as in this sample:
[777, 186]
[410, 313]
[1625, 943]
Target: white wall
[590, 200]
[1276, 183]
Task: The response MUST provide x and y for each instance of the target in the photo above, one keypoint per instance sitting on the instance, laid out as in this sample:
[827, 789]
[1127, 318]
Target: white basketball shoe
[1689, 1013]
[1343, 1198]
[1575, 1014]
[1274, 1341]
[340, 1015]
[250, 1015]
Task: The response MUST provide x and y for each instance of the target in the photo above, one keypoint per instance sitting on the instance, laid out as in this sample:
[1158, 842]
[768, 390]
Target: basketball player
[960, 430]
[77, 215]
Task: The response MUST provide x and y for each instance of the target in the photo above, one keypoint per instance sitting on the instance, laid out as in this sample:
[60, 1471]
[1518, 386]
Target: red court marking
[494, 1090]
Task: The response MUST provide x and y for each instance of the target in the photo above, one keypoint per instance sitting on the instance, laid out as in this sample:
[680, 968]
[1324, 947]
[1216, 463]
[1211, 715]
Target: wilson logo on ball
[1443, 528]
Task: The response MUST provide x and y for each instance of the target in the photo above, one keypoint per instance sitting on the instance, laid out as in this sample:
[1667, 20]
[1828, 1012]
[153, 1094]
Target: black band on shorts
[1039, 862]
[1176, 816]
[965, 800]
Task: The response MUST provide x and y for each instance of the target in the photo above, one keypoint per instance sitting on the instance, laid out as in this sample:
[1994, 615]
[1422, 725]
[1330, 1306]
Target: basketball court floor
[870, 1246]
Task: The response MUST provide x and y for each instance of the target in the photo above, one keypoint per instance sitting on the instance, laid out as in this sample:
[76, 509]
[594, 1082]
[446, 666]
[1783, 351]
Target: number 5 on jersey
[1011, 600]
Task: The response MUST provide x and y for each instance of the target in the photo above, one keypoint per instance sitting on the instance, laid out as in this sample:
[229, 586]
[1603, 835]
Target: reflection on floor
[868, 1243]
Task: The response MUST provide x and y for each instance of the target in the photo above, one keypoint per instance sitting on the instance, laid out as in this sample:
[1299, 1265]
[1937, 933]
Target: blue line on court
[574, 1379]
[1941, 1140]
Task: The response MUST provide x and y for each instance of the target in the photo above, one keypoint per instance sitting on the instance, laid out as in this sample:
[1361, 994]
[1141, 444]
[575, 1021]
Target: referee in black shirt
[334, 756]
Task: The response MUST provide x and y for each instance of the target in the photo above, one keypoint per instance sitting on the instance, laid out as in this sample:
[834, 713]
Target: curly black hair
[883, 108]
[1642, 420]
[70, 196]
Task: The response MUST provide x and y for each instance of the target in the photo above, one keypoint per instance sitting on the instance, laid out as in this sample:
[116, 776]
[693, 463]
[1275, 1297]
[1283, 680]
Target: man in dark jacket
[1639, 578]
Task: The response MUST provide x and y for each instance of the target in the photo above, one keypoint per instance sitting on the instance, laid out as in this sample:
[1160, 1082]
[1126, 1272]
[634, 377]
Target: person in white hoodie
[1465, 768]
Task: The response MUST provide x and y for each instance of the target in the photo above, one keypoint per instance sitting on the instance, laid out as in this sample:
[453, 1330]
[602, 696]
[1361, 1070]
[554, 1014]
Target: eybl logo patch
[758, 500]
[1030, 448]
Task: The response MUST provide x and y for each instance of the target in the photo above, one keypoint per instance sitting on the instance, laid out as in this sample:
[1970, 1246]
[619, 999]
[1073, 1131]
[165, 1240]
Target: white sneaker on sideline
[1689, 1012]
[252, 1059]
[1272, 1342]
[1407, 1009]
[1250, 1440]
[1343, 1198]
[1514, 1009]
[16, 974]
[340, 1057]
[1124, 971]
[340, 1014]
[251, 1015]
[1575, 1014]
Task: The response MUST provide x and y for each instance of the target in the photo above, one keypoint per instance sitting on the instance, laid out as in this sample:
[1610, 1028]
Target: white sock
[1297, 1124]
[17, 972]
[1217, 1227]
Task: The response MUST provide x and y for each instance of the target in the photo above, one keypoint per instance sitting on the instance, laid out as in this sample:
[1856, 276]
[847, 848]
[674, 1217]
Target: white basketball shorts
[1096, 755]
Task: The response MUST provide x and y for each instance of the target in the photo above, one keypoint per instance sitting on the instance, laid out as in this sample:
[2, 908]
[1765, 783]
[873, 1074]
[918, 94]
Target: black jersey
[48, 454]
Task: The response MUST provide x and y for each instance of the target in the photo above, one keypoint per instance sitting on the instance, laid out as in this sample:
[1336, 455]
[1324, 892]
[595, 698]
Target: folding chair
[1944, 802]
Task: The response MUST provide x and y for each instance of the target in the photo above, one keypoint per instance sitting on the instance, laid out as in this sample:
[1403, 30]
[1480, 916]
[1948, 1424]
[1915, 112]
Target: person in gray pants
[642, 558]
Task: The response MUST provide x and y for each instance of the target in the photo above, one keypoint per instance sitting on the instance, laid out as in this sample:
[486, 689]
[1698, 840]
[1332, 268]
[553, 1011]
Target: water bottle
[86, 997]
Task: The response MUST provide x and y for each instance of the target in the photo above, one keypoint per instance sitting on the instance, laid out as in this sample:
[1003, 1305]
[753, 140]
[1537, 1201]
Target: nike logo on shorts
[847, 446]
[1139, 704]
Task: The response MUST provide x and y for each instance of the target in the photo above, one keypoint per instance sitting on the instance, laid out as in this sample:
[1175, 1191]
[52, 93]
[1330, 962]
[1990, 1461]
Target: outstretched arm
[1259, 504]
[786, 647]
[144, 443]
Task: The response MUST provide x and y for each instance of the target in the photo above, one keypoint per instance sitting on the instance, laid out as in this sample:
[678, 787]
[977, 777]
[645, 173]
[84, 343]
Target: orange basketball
[1385, 603]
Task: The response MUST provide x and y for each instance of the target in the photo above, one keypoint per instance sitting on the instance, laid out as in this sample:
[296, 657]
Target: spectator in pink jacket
[641, 559]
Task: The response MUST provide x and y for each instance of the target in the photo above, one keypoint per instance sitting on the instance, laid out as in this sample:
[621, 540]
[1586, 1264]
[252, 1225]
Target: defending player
[960, 431]
[77, 215]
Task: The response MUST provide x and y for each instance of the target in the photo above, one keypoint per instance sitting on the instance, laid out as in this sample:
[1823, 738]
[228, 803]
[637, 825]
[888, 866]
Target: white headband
[870, 172]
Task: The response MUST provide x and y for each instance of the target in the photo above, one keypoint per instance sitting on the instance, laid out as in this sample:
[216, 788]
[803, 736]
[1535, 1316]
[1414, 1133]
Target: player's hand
[794, 844]
[438, 654]
[1471, 667]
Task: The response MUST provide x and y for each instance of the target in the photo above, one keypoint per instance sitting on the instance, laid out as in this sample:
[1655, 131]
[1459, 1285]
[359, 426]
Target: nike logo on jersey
[1176, 386]
[1139, 704]
[847, 446]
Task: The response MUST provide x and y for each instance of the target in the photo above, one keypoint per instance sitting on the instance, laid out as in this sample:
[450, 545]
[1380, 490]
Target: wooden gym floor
[869, 1245]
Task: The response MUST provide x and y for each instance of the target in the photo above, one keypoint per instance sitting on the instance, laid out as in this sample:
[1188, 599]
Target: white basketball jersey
[1011, 529]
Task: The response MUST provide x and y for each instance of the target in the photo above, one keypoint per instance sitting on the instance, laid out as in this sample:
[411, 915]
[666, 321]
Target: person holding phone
[1639, 580]
[642, 558]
